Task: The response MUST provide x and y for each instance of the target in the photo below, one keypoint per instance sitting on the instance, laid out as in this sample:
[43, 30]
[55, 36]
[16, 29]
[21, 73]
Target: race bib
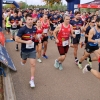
[30, 46]
[97, 41]
[14, 26]
[77, 32]
[39, 35]
[65, 43]
[45, 31]
[55, 25]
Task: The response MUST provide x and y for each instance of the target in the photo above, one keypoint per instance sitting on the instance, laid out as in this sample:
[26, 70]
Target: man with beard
[77, 24]
[93, 43]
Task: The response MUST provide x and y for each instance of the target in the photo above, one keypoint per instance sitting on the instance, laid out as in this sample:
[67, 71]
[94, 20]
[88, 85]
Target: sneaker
[44, 56]
[85, 68]
[79, 65]
[56, 64]
[90, 63]
[60, 67]
[32, 85]
[22, 64]
[39, 60]
[16, 48]
[76, 61]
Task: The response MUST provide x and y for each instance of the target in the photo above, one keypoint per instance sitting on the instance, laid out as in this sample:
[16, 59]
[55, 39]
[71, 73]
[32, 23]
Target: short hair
[28, 15]
[98, 19]
[65, 15]
[77, 12]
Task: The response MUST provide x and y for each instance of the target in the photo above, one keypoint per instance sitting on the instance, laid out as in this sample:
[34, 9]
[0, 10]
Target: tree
[51, 2]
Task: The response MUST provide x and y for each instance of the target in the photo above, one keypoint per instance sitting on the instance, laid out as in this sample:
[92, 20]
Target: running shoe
[79, 65]
[56, 64]
[22, 64]
[90, 63]
[60, 67]
[16, 48]
[44, 56]
[32, 85]
[76, 61]
[85, 68]
[39, 60]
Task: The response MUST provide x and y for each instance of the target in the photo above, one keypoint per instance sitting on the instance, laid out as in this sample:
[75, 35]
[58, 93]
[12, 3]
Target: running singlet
[95, 37]
[76, 26]
[39, 34]
[27, 34]
[45, 27]
[63, 35]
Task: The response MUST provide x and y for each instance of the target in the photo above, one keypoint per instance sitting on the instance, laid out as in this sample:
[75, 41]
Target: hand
[29, 42]
[74, 36]
[57, 41]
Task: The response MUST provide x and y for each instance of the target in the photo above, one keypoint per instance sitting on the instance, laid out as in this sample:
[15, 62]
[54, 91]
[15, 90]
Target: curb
[9, 92]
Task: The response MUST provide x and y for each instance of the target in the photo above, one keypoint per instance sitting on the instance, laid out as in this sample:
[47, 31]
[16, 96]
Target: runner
[77, 24]
[39, 40]
[91, 25]
[62, 34]
[14, 21]
[45, 26]
[8, 26]
[94, 41]
[26, 36]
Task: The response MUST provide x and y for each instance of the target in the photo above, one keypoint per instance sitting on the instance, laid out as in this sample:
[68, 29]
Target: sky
[40, 2]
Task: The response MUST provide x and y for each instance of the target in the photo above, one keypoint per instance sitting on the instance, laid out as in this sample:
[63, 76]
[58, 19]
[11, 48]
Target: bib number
[30, 46]
[14, 26]
[77, 32]
[45, 31]
[65, 43]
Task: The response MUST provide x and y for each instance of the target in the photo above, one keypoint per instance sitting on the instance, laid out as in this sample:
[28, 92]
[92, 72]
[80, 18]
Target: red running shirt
[63, 35]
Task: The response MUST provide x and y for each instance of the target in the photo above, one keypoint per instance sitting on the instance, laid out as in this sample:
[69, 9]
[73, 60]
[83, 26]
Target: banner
[5, 59]
[89, 6]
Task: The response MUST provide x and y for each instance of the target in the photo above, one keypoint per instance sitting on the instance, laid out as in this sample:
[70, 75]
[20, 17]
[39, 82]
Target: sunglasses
[92, 22]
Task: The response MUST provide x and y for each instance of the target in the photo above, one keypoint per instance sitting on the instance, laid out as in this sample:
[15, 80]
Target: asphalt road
[52, 84]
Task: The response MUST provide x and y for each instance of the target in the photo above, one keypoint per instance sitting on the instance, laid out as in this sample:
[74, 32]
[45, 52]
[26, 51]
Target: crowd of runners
[33, 28]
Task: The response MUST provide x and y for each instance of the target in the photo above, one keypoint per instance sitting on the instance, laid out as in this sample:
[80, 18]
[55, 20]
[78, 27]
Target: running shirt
[76, 26]
[96, 36]
[15, 21]
[54, 21]
[39, 34]
[45, 27]
[87, 32]
[63, 35]
[27, 34]
[7, 22]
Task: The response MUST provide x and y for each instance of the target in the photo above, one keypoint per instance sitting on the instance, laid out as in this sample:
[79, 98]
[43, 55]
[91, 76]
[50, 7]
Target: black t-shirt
[15, 20]
[87, 32]
[76, 24]
[27, 34]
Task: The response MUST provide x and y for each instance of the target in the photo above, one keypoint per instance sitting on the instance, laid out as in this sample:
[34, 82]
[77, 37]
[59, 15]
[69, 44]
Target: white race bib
[30, 46]
[14, 26]
[45, 31]
[39, 35]
[65, 43]
[77, 32]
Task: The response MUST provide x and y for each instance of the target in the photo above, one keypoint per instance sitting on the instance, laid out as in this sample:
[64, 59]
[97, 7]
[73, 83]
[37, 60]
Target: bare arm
[57, 29]
[19, 40]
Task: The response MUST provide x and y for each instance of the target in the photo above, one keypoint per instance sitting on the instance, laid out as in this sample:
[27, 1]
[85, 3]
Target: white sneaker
[32, 85]
[22, 64]
[85, 68]
[39, 60]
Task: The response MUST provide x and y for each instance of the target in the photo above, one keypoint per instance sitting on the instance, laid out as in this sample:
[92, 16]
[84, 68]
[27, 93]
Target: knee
[33, 64]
